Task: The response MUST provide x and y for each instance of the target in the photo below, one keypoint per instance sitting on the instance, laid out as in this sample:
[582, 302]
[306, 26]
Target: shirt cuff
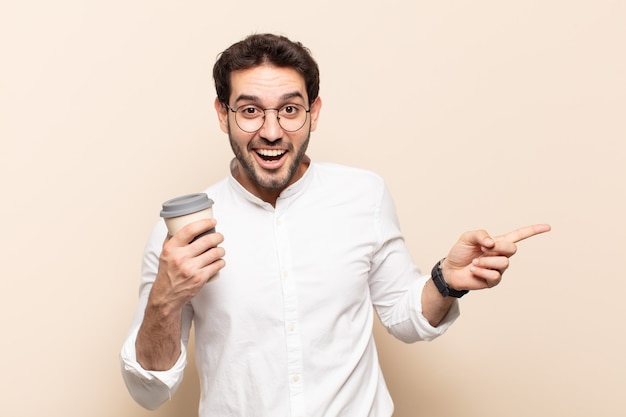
[409, 323]
[150, 388]
[433, 332]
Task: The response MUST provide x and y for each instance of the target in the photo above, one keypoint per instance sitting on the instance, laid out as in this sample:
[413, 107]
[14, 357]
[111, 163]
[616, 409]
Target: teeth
[270, 152]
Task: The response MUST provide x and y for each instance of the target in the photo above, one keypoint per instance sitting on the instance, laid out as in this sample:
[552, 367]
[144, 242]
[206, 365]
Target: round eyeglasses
[250, 118]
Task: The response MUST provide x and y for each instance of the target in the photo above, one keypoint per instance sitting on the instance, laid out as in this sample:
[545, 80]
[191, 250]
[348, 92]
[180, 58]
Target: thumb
[479, 238]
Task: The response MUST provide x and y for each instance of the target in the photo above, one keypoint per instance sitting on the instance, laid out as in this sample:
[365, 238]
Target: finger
[490, 277]
[497, 263]
[210, 256]
[525, 232]
[212, 269]
[501, 248]
[478, 238]
[214, 263]
[200, 268]
[205, 242]
[190, 231]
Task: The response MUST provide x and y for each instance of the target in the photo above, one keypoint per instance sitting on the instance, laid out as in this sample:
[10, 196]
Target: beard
[272, 180]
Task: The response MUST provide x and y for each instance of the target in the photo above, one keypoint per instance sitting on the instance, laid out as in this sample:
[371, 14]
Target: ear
[316, 107]
[222, 115]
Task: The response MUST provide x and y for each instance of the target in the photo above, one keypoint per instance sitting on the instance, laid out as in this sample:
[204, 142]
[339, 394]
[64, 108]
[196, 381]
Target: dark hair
[260, 49]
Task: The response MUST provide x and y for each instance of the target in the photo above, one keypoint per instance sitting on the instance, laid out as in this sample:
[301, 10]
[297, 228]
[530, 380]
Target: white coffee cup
[180, 211]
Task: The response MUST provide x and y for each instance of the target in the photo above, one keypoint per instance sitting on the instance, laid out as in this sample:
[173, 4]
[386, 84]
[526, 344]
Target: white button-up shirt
[286, 327]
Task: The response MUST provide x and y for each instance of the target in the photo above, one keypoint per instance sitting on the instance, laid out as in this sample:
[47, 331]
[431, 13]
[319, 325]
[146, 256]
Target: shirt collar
[288, 194]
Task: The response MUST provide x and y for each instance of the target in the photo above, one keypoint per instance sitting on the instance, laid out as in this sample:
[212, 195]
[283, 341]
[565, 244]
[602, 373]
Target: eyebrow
[284, 97]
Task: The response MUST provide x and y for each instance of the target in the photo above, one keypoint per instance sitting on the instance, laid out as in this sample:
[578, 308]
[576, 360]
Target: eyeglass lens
[291, 117]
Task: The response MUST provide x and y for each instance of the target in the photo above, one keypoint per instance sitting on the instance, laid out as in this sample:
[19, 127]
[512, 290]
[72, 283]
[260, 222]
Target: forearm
[159, 338]
[435, 307]
[149, 388]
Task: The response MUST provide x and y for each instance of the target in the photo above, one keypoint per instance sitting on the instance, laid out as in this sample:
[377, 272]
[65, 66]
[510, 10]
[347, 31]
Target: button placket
[290, 311]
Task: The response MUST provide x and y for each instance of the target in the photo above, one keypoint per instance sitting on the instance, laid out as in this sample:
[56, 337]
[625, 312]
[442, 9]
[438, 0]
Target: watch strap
[441, 284]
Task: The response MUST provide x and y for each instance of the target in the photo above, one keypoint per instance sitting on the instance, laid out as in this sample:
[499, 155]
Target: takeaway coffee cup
[180, 211]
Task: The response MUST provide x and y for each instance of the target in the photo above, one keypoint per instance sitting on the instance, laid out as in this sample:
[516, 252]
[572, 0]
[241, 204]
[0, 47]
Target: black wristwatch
[442, 286]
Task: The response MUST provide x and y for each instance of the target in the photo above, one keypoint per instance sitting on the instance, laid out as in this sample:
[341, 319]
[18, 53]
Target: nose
[271, 129]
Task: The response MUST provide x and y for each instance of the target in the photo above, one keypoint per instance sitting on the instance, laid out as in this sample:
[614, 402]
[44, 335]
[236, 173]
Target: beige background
[483, 114]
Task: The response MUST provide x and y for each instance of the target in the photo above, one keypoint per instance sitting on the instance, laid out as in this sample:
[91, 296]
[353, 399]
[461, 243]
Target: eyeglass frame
[307, 111]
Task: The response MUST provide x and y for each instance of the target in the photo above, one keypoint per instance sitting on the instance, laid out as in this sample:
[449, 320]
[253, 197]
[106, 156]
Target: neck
[269, 195]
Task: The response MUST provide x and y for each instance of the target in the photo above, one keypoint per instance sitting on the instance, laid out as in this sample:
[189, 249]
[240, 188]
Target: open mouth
[271, 155]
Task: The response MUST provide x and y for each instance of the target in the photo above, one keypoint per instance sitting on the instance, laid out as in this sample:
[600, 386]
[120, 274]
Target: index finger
[525, 232]
[194, 229]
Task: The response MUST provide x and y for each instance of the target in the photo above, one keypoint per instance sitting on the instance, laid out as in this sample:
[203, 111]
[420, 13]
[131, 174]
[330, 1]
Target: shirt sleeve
[152, 388]
[396, 284]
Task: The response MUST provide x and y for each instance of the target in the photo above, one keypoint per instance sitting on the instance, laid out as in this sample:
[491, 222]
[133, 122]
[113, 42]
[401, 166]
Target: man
[285, 328]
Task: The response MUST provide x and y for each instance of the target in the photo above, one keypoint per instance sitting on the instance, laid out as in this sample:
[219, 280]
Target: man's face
[271, 158]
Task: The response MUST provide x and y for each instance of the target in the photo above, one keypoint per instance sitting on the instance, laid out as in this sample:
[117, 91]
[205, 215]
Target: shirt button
[295, 378]
[291, 327]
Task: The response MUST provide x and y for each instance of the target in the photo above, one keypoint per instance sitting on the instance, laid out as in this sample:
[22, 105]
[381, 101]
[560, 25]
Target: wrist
[438, 277]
